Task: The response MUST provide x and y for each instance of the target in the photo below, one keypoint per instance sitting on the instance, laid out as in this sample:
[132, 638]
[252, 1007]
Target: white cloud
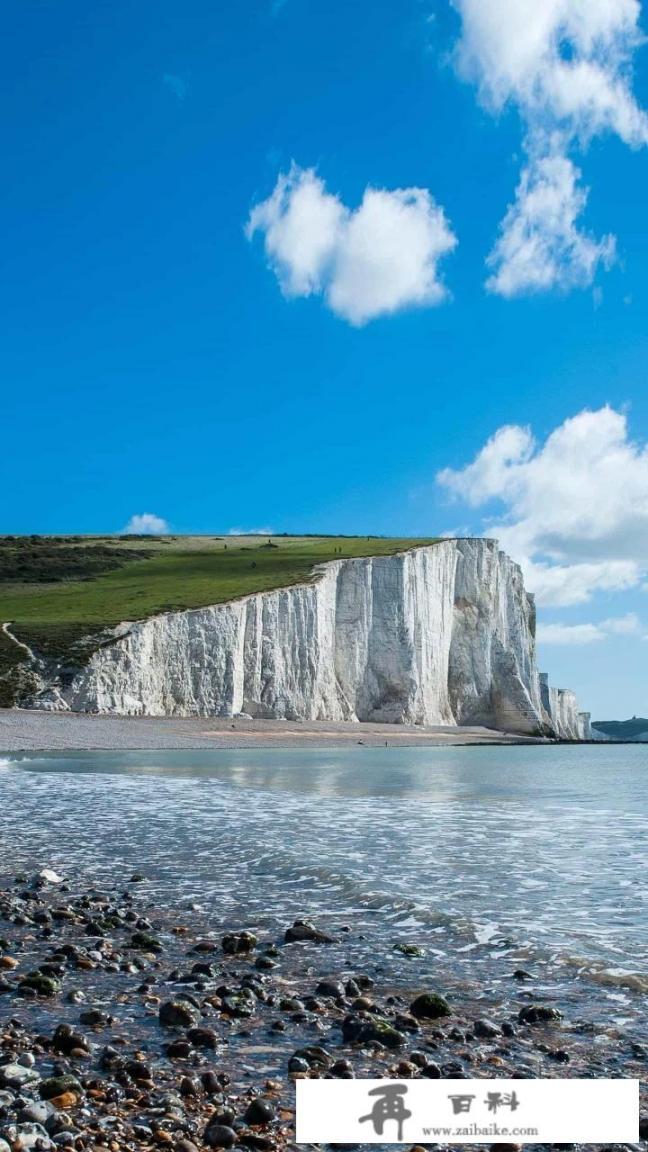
[486, 478]
[570, 634]
[562, 584]
[628, 625]
[251, 532]
[564, 634]
[559, 61]
[146, 524]
[575, 508]
[565, 66]
[540, 245]
[366, 262]
[302, 224]
[388, 255]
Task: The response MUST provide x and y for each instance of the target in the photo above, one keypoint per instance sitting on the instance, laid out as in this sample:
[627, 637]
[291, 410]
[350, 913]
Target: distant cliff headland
[398, 631]
[633, 731]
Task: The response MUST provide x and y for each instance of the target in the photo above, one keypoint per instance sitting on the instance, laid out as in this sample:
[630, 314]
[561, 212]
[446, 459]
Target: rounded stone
[235, 943]
[430, 1006]
[203, 1037]
[259, 1111]
[486, 1030]
[220, 1136]
[331, 989]
[36, 983]
[58, 1085]
[538, 1014]
[178, 1014]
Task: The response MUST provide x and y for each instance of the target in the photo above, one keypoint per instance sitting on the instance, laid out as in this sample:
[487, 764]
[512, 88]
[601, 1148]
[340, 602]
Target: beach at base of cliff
[24, 730]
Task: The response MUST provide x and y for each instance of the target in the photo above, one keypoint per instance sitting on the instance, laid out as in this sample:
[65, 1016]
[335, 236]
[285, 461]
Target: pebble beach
[127, 1026]
[26, 730]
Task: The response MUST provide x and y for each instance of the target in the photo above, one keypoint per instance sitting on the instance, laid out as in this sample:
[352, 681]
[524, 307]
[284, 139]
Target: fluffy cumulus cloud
[371, 261]
[146, 524]
[565, 65]
[566, 61]
[540, 245]
[574, 508]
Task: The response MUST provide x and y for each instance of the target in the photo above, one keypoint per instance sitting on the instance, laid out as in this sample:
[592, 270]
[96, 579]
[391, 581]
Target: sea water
[488, 858]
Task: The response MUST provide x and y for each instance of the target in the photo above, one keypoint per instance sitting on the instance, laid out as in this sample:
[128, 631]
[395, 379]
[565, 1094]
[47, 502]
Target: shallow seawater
[490, 858]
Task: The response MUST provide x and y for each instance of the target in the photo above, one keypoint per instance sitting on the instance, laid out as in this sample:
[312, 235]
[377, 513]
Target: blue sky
[156, 359]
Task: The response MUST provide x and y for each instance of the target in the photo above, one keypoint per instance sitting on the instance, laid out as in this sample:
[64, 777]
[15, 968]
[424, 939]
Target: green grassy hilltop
[623, 729]
[58, 593]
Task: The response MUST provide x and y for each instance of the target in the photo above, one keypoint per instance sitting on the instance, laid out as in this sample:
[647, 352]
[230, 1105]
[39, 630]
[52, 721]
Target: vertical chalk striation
[442, 634]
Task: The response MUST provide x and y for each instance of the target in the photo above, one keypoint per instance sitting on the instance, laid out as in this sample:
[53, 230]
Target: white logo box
[467, 1111]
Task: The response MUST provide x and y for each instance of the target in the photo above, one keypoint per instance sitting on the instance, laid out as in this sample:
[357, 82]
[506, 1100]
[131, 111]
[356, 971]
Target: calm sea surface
[491, 858]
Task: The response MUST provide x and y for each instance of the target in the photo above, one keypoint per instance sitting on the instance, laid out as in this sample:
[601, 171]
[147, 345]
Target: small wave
[607, 977]
[633, 981]
[399, 910]
[412, 919]
[290, 871]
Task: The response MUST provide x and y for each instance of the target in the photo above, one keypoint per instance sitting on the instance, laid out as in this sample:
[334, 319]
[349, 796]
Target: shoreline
[140, 1026]
[23, 730]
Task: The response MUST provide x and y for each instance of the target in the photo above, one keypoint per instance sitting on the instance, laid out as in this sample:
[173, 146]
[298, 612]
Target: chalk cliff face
[561, 706]
[367, 640]
[437, 635]
[585, 726]
[493, 675]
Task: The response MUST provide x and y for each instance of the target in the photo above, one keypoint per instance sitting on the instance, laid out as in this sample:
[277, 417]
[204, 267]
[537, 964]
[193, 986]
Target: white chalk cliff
[561, 706]
[443, 634]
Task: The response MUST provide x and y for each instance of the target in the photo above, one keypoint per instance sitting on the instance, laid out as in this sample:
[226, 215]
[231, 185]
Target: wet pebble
[203, 1038]
[430, 1006]
[486, 1029]
[303, 930]
[219, 1136]
[331, 989]
[235, 943]
[259, 1111]
[26, 1136]
[363, 1028]
[18, 1075]
[95, 1018]
[178, 1014]
[538, 1014]
[56, 1086]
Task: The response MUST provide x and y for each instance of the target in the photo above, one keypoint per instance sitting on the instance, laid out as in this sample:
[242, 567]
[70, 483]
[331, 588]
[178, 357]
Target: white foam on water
[504, 855]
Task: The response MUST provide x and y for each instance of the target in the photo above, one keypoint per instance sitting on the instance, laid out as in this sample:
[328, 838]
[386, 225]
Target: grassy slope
[64, 619]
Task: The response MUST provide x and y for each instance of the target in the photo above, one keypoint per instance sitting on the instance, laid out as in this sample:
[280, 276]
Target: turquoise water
[492, 858]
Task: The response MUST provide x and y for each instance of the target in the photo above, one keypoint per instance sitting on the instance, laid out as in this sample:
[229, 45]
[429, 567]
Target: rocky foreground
[127, 1026]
